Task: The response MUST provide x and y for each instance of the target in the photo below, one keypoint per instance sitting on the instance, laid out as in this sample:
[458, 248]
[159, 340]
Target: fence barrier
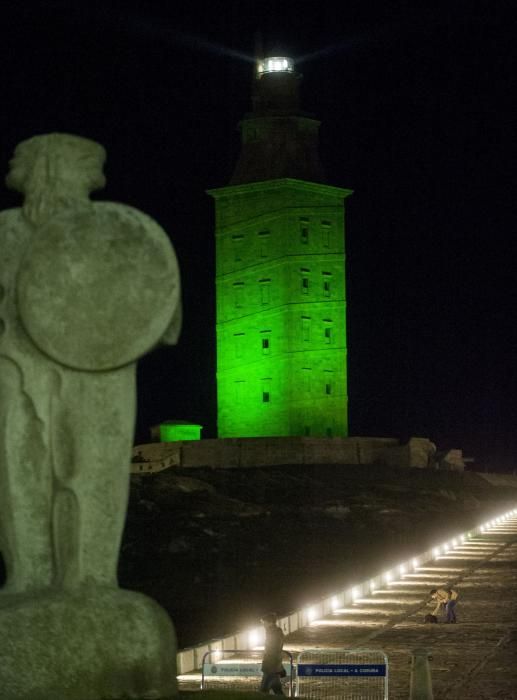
[343, 674]
[238, 669]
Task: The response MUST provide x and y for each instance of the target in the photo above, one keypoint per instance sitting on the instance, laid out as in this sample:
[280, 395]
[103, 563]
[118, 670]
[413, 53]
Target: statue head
[55, 170]
[57, 161]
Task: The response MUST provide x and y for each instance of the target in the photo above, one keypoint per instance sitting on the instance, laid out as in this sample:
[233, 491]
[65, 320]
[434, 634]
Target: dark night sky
[414, 100]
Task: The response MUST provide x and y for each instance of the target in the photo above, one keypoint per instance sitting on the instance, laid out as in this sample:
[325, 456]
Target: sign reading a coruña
[313, 670]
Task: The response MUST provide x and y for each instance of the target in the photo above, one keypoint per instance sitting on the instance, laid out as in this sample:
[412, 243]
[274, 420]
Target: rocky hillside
[219, 547]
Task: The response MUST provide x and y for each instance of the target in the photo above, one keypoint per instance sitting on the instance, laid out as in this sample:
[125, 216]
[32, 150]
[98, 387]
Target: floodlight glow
[462, 538]
[436, 552]
[275, 64]
[415, 563]
[482, 528]
[454, 542]
[402, 569]
[387, 576]
[217, 655]
[372, 586]
[445, 548]
[334, 603]
[311, 614]
[355, 593]
[254, 638]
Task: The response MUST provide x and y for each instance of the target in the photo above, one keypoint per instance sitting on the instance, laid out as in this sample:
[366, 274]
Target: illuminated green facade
[280, 278]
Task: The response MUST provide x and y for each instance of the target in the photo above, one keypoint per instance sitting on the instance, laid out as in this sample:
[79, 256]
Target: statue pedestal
[90, 644]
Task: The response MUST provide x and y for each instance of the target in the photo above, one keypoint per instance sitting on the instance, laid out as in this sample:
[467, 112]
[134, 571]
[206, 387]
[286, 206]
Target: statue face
[56, 160]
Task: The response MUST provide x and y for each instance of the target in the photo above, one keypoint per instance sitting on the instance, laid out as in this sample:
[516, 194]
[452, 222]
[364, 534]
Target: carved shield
[98, 287]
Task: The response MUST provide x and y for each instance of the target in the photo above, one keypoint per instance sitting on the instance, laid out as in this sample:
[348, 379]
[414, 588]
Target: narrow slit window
[263, 237]
[265, 291]
[304, 231]
[306, 328]
[238, 340]
[238, 294]
[237, 242]
[326, 284]
[325, 234]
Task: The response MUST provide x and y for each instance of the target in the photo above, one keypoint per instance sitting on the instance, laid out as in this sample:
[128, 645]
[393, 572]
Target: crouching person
[445, 602]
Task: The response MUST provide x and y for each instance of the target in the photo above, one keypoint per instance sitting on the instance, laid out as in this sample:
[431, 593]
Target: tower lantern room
[280, 277]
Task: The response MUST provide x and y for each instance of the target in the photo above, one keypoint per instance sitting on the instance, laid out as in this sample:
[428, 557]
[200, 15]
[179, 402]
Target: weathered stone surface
[87, 288]
[90, 644]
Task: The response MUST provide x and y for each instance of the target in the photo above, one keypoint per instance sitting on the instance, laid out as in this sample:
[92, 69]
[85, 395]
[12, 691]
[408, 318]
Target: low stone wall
[274, 451]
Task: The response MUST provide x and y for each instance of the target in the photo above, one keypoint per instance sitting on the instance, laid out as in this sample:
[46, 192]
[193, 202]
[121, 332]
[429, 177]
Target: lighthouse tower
[280, 274]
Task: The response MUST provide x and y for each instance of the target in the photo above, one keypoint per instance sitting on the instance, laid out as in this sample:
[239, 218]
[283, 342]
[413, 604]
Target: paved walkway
[475, 659]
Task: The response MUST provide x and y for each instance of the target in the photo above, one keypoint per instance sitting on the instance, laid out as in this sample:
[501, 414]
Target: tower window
[238, 344]
[328, 381]
[327, 330]
[265, 288]
[265, 346]
[305, 280]
[306, 328]
[238, 293]
[237, 242]
[263, 237]
[304, 231]
[326, 284]
[266, 395]
[325, 234]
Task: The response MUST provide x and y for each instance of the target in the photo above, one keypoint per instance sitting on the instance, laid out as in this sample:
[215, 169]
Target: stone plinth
[89, 644]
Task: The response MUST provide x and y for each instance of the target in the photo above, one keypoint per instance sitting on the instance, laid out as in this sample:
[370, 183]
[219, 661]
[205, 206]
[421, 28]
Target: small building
[176, 431]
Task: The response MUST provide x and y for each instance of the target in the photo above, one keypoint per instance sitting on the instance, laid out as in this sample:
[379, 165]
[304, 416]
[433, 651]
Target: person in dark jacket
[272, 668]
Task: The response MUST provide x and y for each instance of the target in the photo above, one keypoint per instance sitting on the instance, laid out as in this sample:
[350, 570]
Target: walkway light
[311, 614]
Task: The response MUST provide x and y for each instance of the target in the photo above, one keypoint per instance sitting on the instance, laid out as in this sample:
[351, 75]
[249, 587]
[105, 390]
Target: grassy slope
[217, 547]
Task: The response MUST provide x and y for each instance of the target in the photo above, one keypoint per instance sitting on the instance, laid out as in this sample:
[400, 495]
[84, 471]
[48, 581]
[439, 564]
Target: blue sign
[312, 670]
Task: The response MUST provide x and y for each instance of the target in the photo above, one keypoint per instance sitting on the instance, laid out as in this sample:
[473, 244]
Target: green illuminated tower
[280, 275]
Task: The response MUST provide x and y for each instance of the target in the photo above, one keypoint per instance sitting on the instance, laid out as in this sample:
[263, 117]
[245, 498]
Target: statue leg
[25, 486]
[95, 419]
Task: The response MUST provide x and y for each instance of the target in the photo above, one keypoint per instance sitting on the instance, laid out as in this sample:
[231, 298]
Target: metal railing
[240, 669]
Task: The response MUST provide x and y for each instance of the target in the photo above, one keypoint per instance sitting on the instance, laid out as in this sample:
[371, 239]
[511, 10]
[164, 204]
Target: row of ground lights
[255, 637]
[338, 600]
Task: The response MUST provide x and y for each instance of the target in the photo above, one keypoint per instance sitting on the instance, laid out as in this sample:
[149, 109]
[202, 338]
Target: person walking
[446, 599]
[272, 668]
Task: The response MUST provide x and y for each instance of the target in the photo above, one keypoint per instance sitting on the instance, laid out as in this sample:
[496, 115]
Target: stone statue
[86, 288]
